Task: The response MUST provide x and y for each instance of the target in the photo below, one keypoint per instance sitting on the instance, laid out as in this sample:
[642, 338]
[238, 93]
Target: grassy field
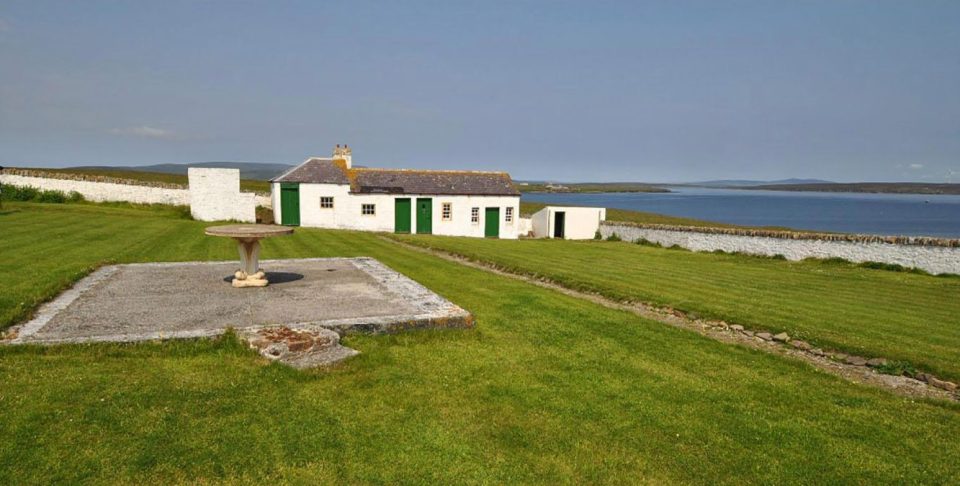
[872, 312]
[245, 184]
[547, 389]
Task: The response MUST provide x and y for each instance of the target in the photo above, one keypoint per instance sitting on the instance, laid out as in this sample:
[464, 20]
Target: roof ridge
[435, 171]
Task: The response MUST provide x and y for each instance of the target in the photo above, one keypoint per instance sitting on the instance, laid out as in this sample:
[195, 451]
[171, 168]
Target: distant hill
[871, 187]
[248, 170]
[748, 183]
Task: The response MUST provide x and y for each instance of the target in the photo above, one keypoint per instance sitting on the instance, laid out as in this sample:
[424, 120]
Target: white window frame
[331, 202]
[371, 206]
[508, 214]
[446, 211]
[475, 215]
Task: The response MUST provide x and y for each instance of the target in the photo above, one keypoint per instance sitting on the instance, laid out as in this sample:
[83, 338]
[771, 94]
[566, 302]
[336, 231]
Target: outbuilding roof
[402, 181]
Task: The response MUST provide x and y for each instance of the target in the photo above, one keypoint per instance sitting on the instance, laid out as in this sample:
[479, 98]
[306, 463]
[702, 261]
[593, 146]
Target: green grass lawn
[895, 315]
[245, 184]
[546, 389]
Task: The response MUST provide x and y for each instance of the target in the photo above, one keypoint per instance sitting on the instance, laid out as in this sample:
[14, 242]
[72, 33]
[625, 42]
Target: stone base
[241, 279]
[250, 282]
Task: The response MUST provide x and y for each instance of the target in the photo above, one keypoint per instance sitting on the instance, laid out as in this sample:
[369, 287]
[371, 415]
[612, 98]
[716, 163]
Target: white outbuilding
[331, 193]
[567, 222]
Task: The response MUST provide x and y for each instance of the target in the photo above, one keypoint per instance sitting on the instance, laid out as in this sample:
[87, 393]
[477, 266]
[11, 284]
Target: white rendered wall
[934, 259]
[579, 223]
[215, 196]
[103, 191]
[540, 223]
[525, 227]
[346, 213]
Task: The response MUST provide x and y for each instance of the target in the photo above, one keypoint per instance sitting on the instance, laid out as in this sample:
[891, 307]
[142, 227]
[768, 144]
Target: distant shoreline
[864, 187]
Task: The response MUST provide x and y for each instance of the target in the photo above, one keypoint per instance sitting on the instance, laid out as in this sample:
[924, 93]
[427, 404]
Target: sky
[666, 91]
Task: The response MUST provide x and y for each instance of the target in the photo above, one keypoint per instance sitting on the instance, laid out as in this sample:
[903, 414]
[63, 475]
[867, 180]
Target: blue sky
[600, 91]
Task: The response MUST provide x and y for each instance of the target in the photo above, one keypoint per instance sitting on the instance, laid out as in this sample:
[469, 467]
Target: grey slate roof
[320, 171]
[465, 183]
[402, 181]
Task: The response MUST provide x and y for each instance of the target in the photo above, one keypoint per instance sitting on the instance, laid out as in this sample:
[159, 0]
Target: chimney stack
[343, 153]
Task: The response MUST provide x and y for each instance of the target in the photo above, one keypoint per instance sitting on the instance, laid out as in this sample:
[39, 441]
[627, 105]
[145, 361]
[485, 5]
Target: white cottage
[331, 193]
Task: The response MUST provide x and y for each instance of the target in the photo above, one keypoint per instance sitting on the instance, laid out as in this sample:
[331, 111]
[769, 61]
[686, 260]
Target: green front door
[424, 216]
[491, 223]
[401, 217]
[290, 204]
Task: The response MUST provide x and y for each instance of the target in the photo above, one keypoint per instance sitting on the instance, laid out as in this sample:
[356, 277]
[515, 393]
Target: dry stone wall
[931, 254]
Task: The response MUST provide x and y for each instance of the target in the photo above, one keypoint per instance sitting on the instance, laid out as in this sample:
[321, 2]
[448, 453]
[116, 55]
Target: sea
[878, 214]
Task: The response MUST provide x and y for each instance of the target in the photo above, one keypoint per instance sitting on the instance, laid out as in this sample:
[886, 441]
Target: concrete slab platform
[194, 299]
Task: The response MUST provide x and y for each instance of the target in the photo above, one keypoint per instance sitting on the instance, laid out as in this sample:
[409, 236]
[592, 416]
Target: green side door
[491, 223]
[424, 216]
[290, 204]
[401, 217]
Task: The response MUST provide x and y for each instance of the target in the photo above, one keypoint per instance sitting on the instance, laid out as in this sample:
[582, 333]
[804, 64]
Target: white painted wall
[579, 223]
[525, 228]
[934, 259]
[103, 191]
[215, 196]
[346, 213]
[540, 223]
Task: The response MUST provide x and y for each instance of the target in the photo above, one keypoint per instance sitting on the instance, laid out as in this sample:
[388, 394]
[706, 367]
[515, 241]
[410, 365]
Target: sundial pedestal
[248, 238]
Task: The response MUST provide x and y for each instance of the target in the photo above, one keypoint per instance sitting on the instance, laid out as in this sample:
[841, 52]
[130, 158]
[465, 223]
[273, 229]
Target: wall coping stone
[70, 176]
[797, 235]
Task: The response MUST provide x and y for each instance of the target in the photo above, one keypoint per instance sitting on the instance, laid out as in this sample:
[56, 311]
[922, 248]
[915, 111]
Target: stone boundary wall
[88, 177]
[102, 188]
[103, 191]
[935, 255]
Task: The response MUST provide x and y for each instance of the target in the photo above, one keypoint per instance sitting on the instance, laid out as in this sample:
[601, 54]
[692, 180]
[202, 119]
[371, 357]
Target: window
[326, 202]
[475, 215]
[508, 215]
[447, 211]
[368, 209]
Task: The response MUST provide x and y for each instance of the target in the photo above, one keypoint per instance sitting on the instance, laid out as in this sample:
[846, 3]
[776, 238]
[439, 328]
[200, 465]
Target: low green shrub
[892, 267]
[646, 242]
[897, 368]
[614, 237]
[32, 194]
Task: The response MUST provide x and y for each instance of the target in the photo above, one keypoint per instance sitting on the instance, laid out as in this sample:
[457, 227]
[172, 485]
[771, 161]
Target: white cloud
[916, 166]
[144, 131]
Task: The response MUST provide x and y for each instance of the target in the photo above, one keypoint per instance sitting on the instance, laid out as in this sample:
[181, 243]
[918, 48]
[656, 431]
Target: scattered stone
[737, 327]
[941, 384]
[874, 362]
[801, 345]
[856, 360]
[782, 337]
[838, 356]
[748, 333]
[924, 377]
[300, 348]
[766, 336]
[817, 352]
